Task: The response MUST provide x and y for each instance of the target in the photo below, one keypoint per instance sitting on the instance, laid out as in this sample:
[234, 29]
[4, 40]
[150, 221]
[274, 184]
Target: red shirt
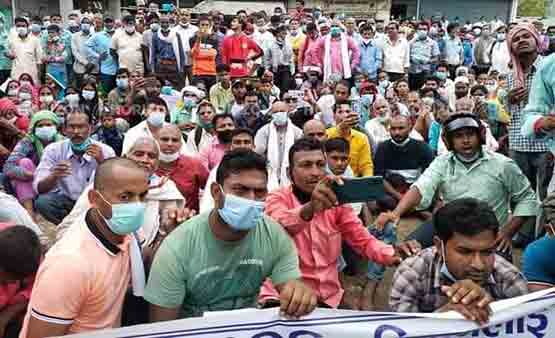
[189, 175]
[236, 49]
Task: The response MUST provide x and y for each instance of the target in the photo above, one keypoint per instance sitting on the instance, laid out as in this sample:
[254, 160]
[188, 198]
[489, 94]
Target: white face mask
[130, 29]
[298, 82]
[47, 99]
[168, 158]
[88, 94]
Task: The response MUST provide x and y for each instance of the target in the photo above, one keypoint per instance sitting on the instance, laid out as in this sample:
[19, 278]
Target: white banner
[530, 316]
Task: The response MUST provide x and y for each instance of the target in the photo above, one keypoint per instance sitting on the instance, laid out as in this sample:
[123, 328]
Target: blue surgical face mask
[280, 118]
[122, 83]
[126, 217]
[444, 270]
[422, 34]
[46, 133]
[156, 119]
[86, 28]
[189, 103]
[88, 94]
[239, 213]
[36, 28]
[80, 148]
[335, 31]
[441, 75]
[367, 100]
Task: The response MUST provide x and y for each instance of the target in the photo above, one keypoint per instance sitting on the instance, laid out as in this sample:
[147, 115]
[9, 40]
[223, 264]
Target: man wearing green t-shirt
[218, 260]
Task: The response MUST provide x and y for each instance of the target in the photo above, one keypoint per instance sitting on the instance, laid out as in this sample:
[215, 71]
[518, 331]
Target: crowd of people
[161, 166]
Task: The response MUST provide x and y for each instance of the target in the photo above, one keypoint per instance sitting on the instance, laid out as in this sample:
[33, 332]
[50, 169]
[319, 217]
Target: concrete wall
[361, 8]
[37, 7]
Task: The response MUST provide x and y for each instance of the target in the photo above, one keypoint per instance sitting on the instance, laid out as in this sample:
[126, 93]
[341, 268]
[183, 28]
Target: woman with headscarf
[27, 79]
[22, 162]
[46, 98]
[11, 90]
[9, 133]
[5, 62]
[89, 100]
[27, 100]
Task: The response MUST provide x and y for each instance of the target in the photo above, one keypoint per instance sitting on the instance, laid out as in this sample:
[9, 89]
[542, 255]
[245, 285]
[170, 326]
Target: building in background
[465, 10]
[471, 10]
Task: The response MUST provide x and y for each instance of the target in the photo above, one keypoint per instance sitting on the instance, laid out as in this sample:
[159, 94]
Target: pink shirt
[335, 50]
[319, 243]
[211, 155]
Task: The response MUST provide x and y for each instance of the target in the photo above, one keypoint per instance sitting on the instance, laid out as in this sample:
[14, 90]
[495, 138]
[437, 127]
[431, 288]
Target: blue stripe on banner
[548, 296]
[266, 325]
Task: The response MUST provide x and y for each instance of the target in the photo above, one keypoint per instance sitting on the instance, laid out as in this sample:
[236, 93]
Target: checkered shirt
[418, 280]
[517, 141]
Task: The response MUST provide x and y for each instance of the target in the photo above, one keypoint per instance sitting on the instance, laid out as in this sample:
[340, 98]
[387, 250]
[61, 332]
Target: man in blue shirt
[424, 52]
[99, 53]
[537, 264]
[453, 52]
[371, 57]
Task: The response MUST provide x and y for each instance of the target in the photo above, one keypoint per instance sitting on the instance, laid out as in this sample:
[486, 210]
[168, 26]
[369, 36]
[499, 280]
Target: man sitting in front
[400, 160]
[461, 272]
[218, 260]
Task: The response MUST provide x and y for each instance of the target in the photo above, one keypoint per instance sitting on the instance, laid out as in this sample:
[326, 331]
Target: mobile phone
[357, 190]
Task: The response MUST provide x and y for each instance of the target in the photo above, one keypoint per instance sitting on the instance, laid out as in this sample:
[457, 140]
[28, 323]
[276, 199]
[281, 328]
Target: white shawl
[278, 171]
[172, 38]
[345, 59]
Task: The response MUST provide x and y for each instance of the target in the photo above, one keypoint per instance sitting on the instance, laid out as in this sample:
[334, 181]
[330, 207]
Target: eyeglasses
[291, 100]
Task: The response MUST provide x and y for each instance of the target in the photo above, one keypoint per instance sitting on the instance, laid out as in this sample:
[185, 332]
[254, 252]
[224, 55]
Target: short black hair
[222, 69]
[304, 144]
[465, 216]
[452, 26]
[76, 112]
[122, 71]
[239, 131]
[311, 27]
[218, 117]
[337, 144]
[21, 19]
[237, 160]
[366, 28]
[157, 101]
[205, 17]
[128, 19]
[433, 78]
[251, 93]
[478, 87]
[20, 251]
[337, 105]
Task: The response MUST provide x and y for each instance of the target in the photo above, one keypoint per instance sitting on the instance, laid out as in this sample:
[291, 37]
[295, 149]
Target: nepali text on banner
[529, 316]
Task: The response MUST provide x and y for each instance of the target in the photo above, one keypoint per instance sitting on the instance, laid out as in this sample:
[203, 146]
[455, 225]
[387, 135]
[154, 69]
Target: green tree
[532, 8]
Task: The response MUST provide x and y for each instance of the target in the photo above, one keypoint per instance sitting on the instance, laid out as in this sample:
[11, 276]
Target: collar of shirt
[484, 157]
[108, 246]
[71, 154]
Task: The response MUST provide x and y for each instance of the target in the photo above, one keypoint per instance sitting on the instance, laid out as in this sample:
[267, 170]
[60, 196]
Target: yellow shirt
[361, 154]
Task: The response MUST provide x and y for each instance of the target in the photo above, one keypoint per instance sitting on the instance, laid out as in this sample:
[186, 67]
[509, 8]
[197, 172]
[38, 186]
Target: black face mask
[225, 136]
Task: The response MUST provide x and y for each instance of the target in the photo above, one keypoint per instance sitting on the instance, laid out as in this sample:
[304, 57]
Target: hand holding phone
[358, 190]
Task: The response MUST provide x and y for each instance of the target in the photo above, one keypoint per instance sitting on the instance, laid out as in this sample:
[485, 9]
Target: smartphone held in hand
[361, 189]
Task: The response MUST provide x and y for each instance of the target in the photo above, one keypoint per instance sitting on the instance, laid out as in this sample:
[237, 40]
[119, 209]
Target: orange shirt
[204, 56]
[82, 282]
